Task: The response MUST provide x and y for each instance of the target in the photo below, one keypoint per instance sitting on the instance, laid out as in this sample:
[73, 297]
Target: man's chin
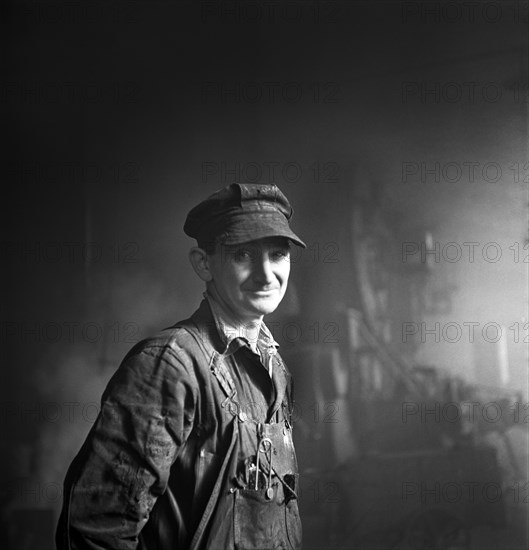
[264, 306]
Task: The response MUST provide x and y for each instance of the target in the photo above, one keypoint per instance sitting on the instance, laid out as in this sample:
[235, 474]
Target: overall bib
[253, 505]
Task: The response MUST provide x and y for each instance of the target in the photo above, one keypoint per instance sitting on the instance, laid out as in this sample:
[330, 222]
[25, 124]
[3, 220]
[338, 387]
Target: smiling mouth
[263, 292]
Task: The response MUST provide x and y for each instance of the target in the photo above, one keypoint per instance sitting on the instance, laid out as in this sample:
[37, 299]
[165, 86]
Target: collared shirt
[233, 337]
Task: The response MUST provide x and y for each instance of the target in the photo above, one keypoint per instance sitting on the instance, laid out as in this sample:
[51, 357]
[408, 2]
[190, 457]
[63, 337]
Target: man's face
[251, 279]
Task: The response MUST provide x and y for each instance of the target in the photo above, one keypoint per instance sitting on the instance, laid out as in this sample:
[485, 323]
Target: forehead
[267, 242]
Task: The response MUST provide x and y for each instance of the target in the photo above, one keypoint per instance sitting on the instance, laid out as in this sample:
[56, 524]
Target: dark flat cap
[242, 212]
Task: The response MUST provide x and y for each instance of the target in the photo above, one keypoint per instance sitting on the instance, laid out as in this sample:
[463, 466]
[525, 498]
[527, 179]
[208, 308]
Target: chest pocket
[261, 524]
[265, 513]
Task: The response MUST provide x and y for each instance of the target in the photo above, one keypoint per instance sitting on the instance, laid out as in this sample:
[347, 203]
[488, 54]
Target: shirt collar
[234, 337]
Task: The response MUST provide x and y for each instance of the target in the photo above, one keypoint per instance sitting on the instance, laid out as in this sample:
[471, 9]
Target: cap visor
[260, 226]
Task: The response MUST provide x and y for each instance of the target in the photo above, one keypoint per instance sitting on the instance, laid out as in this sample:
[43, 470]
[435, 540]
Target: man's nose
[262, 271]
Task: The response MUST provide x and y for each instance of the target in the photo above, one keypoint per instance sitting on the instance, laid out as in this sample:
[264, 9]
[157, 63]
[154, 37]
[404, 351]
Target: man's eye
[242, 255]
[280, 254]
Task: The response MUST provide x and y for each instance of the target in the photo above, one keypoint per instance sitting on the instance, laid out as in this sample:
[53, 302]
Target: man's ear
[199, 261]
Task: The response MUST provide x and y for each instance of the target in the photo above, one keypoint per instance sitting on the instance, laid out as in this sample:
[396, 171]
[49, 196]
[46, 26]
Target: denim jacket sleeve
[146, 416]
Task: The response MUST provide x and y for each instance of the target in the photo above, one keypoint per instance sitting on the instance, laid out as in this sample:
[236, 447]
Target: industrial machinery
[391, 454]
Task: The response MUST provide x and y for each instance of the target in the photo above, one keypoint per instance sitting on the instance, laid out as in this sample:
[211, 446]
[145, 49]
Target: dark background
[123, 115]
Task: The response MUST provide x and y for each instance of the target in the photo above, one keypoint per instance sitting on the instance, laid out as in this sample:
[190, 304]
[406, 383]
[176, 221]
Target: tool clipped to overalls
[265, 447]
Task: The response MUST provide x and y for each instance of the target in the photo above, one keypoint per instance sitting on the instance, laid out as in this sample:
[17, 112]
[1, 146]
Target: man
[193, 446]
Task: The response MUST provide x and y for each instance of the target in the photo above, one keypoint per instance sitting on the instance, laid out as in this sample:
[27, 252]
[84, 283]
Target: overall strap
[218, 368]
[198, 538]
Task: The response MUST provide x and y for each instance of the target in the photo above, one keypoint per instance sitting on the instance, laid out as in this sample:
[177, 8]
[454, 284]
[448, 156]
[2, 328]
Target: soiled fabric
[192, 449]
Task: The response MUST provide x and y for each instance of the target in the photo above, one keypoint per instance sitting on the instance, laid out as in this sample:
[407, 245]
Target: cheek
[235, 279]
[284, 272]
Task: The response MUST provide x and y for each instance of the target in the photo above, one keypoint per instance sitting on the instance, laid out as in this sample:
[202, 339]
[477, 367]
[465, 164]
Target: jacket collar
[225, 342]
[204, 320]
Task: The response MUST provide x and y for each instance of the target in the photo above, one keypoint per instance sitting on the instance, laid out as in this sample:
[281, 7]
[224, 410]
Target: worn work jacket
[180, 457]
